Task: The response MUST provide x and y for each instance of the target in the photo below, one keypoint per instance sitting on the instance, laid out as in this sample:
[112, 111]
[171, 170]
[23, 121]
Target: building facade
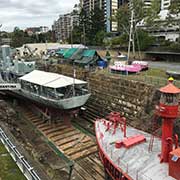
[63, 26]
[108, 6]
[36, 30]
[165, 4]
[168, 32]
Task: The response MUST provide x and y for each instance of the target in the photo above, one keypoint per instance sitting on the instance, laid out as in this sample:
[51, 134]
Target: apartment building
[171, 31]
[63, 26]
[89, 5]
[108, 6]
[165, 4]
[36, 30]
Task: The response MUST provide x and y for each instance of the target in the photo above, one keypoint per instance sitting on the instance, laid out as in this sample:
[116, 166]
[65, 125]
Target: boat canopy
[48, 79]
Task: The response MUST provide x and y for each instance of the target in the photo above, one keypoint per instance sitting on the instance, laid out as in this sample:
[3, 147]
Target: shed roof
[89, 53]
[47, 79]
[170, 88]
[61, 51]
[69, 53]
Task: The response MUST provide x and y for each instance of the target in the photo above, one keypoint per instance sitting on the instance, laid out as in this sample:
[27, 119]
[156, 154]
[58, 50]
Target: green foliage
[121, 40]
[100, 35]
[20, 37]
[175, 47]
[8, 168]
[139, 12]
[108, 55]
[174, 7]
[91, 29]
[122, 17]
[152, 13]
[143, 40]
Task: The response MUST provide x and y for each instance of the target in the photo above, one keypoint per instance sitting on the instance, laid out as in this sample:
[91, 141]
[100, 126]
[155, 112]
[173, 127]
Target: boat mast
[74, 76]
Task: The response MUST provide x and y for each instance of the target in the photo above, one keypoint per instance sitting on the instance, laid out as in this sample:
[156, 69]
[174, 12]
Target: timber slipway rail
[73, 144]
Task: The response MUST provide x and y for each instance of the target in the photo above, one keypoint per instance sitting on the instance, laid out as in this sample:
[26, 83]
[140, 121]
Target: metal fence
[23, 165]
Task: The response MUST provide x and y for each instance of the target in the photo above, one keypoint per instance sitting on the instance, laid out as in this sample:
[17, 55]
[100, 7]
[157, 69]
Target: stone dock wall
[135, 100]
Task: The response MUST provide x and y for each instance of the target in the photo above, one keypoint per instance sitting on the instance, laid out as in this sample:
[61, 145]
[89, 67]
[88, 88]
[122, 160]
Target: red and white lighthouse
[168, 110]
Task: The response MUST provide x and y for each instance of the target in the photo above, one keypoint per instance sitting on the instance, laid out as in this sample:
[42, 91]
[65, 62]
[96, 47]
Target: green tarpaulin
[62, 51]
[69, 53]
[89, 53]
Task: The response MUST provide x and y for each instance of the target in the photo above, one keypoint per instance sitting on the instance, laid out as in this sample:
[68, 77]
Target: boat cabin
[52, 85]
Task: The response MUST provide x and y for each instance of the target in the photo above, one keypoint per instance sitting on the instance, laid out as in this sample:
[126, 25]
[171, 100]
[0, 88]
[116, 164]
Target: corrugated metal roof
[48, 79]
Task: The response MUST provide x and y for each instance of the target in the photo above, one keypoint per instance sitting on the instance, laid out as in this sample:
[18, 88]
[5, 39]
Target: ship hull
[64, 104]
[112, 172]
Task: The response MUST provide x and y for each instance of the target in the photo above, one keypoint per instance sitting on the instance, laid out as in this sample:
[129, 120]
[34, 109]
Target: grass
[8, 168]
[155, 72]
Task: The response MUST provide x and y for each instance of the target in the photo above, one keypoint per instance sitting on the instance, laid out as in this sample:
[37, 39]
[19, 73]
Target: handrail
[23, 165]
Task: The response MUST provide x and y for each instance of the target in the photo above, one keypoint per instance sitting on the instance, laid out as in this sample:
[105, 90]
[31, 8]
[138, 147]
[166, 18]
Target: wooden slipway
[74, 144]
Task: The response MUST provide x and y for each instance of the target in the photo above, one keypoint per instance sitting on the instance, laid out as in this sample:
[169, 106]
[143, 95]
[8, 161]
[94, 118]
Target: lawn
[160, 73]
[8, 168]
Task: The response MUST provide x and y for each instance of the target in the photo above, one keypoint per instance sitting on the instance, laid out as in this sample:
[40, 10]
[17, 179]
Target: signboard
[9, 86]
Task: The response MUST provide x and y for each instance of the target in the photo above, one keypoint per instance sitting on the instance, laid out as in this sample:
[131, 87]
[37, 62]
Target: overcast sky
[30, 13]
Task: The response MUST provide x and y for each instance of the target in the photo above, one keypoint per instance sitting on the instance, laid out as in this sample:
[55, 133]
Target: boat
[128, 153]
[143, 64]
[55, 90]
[45, 88]
[135, 67]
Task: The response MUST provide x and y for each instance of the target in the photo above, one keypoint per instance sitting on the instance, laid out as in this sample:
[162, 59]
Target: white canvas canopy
[48, 79]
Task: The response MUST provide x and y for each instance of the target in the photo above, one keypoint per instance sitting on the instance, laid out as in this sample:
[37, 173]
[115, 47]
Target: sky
[32, 13]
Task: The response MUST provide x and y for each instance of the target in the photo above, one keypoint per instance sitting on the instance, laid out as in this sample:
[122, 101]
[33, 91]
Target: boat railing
[53, 95]
[125, 166]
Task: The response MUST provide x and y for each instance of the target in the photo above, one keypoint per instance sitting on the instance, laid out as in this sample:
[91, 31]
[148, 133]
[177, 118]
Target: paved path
[172, 66]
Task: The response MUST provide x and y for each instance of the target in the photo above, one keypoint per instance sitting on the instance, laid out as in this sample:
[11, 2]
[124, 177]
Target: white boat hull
[66, 104]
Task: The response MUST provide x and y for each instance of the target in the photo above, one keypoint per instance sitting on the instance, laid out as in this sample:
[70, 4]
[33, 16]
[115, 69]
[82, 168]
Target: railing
[23, 165]
[139, 175]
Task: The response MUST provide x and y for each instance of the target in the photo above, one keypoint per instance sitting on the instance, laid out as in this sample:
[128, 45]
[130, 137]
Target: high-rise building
[165, 4]
[89, 5]
[111, 9]
[108, 6]
[63, 26]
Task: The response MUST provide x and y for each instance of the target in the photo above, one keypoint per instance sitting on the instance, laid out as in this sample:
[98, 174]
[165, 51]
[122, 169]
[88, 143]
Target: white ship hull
[66, 104]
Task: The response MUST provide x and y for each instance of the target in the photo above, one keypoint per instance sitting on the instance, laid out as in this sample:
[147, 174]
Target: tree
[143, 40]
[18, 38]
[174, 14]
[152, 14]
[91, 28]
[122, 17]
[96, 27]
[140, 13]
